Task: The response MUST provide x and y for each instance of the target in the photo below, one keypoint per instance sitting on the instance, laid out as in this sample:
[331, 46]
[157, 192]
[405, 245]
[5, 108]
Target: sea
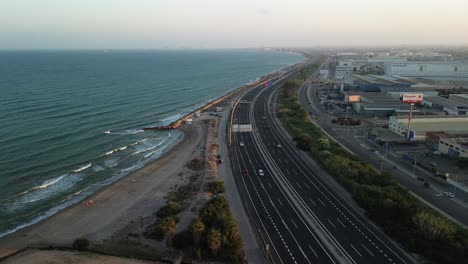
[71, 121]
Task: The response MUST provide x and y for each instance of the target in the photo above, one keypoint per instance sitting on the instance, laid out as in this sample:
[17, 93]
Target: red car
[245, 172]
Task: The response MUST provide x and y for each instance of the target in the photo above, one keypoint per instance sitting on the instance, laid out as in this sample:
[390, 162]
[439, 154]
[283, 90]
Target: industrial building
[454, 147]
[450, 107]
[421, 125]
[435, 69]
[378, 104]
[461, 98]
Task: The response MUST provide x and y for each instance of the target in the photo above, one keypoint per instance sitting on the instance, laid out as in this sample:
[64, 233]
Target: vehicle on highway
[279, 146]
[263, 117]
[421, 178]
[449, 194]
[377, 152]
[220, 161]
[218, 156]
[260, 172]
[245, 172]
[241, 144]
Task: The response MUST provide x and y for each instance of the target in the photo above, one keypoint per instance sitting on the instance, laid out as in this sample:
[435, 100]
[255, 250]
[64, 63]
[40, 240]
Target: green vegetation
[81, 244]
[170, 209]
[184, 192]
[213, 234]
[216, 187]
[414, 225]
[196, 164]
[163, 227]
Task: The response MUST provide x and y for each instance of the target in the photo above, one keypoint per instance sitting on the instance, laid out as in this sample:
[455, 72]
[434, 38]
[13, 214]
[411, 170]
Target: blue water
[70, 121]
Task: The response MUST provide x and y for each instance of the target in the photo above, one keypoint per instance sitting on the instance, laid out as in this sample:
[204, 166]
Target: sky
[155, 24]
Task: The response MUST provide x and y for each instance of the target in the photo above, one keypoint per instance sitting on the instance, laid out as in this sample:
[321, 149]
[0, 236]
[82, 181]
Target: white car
[241, 144]
[260, 172]
[377, 153]
[449, 194]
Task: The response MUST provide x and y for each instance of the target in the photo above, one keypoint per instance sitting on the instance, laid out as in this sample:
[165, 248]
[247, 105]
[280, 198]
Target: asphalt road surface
[299, 216]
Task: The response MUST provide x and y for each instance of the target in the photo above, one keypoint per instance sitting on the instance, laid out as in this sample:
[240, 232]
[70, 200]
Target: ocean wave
[152, 147]
[114, 150]
[138, 131]
[138, 142]
[83, 168]
[171, 119]
[45, 190]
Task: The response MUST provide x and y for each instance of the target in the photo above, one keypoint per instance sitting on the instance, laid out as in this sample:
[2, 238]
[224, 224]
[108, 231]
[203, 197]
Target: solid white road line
[331, 223]
[313, 251]
[356, 250]
[367, 250]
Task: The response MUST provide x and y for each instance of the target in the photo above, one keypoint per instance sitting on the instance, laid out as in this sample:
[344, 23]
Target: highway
[298, 214]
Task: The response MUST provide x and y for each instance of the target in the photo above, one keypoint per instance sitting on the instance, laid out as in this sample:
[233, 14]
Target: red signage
[412, 98]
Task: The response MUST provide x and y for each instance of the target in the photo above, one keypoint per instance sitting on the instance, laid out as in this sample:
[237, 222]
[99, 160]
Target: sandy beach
[139, 194]
[129, 204]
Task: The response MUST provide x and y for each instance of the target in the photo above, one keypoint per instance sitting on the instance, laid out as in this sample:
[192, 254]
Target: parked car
[278, 146]
[260, 172]
[245, 172]
[241, 144]
[220, 161]
[218, 156]
[421, 178]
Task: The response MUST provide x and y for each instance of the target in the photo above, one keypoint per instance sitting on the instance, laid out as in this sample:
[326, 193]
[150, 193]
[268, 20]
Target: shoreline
[15, 241]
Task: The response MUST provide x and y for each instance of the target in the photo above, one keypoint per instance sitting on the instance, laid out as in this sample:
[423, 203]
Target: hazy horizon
[210, 24]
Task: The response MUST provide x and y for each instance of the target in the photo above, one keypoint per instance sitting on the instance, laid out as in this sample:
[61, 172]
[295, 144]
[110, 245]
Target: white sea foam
[107, 132]
[83, 168]
[122, 148]
[138, 131]
[138, 142]
[98, 168]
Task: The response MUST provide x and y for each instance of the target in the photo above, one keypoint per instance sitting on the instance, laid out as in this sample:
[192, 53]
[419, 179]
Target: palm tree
[230, 227]
[197, 229]
[214, 240]
[168, 226]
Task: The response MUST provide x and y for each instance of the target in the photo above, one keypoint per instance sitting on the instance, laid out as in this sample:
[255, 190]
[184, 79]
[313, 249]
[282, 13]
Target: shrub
[170, 209]
[216, 187]
[81, 244]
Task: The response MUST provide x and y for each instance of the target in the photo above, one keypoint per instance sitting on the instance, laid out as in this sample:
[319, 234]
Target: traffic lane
[283, 240]
[358, 234]
[259, 207]
[291, 220]
[334, 221]
[354, 233]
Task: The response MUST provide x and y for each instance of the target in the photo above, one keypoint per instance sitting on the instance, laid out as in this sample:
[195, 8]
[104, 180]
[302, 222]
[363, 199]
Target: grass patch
[414, 225]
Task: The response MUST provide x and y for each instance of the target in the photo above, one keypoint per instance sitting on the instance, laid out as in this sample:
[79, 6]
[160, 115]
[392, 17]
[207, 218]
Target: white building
[450, 70]
[420, 125]
[455, 147]
[346, 67]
